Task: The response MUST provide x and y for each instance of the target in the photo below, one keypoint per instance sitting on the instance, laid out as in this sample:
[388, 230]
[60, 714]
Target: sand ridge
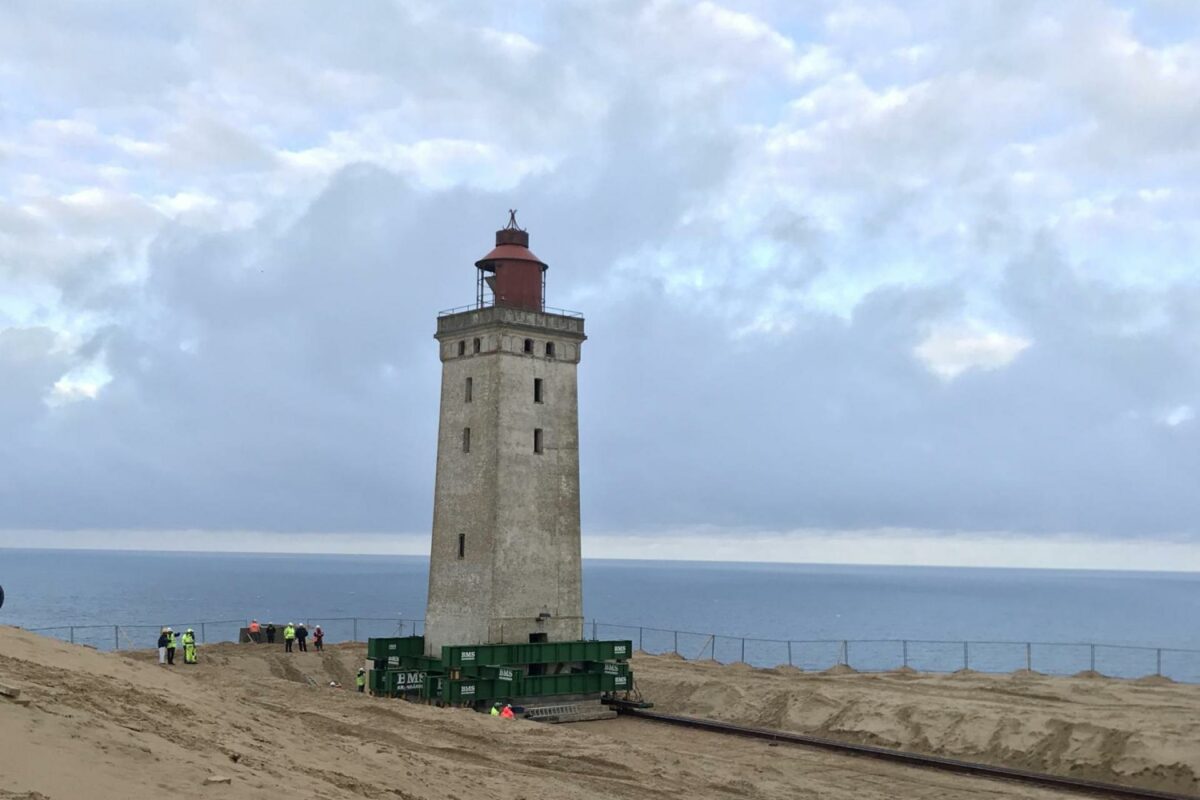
[1140, 733]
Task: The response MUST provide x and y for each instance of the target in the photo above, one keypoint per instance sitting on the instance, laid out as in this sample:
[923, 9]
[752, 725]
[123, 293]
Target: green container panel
[566, 683]
[469, 690]
[387, 647]
[404, 681]
[535, 653]
[376, 681]
[616, 682]
[477, 655]
[607, 667]
[391, 662]
[427, 663]
[500, 674]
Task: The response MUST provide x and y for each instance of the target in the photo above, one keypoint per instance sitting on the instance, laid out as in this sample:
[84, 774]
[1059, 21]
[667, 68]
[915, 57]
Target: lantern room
[511, 275]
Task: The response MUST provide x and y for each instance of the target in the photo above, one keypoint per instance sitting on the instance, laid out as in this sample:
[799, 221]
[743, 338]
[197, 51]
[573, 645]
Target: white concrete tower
[504, 565]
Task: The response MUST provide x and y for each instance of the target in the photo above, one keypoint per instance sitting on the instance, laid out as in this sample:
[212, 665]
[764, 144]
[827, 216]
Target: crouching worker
[507, 713]
[495, 712]
[189, 646]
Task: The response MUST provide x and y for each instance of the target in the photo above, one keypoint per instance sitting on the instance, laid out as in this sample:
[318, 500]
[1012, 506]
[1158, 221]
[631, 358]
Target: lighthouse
[504, 563]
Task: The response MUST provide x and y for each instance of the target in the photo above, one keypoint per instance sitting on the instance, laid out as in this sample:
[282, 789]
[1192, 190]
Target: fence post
[1158, 659]
[1093, 657]
[789, 653]
[966, 655]
[116, 638]
[72, 634]
[640, 648]
[1029, 657]
[743, 649]
[594, 629]
[355, 629]
[845, 652]
[713, 651]
[904, 648]
[676, 642]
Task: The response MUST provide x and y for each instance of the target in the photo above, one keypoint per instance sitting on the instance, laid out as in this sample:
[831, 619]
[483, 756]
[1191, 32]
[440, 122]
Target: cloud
[854, 268]
[950, 351]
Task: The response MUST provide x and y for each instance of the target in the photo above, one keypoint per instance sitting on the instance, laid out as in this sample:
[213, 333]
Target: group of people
[168, 644]
[293, 636]
[502, 710]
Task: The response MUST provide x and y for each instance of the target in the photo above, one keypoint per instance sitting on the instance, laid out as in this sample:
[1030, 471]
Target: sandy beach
[114, 726]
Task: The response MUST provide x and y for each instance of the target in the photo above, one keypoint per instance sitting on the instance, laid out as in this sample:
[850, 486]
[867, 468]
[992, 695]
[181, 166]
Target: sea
[810, 615]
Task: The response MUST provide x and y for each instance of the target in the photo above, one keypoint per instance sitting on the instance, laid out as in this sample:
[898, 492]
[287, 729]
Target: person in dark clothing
[318, 638]
[302, 637]
[270, 633]
[162, 648]
[170, 647]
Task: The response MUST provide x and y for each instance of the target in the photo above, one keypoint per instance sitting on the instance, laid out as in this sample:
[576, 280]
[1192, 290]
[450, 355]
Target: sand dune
[104, 726]
[1144, 733]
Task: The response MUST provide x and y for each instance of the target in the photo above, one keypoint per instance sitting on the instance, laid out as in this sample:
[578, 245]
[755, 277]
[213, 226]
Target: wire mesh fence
[145, 636]
[863, 655]
[884, 655]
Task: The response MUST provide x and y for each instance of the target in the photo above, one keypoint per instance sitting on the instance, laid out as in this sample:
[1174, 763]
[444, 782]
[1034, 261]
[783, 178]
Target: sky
[864, 281]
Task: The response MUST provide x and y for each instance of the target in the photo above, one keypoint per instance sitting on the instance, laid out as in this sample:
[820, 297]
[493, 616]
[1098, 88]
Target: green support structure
[479, 675]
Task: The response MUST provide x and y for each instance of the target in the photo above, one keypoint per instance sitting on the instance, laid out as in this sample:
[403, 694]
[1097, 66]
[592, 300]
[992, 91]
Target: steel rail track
[912, 759]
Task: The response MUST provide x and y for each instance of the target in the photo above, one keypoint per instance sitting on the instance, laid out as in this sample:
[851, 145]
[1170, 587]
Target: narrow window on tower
[466, 440]
[549, 349]
[462, 545]
[529, 345]
[467, 391]
[537, 390]
[462, 348]
[537, 440]
[475, 344]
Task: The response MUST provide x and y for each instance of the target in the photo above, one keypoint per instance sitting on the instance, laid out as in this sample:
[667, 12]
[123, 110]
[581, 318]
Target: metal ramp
[569, 712]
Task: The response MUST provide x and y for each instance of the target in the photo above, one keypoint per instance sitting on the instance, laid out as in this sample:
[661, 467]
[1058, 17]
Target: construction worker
[254, 630]
[360, 680]
[495, 709]
[289, 636]
[302, 637]
[318, 638]
[507, 713]
[189, 646]
[162, 648]
[270, 633]
[170, 647]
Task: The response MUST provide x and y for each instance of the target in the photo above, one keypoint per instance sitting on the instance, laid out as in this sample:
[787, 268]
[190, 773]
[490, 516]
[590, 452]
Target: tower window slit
[537, 390]
[476, 344]
[529, 345]
[462, 348]
[549, 349]
[467, 393]
[537, 440]
[466, 440]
